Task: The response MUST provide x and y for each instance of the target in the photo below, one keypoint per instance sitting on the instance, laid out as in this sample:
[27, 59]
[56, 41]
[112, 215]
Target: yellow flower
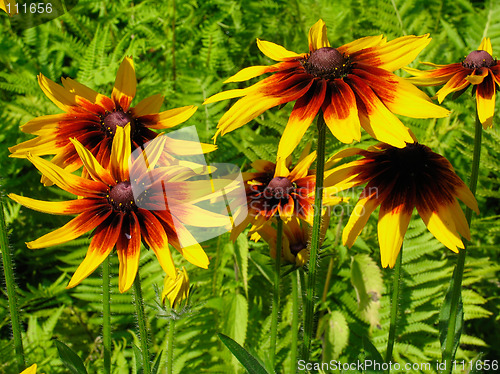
[353, 85]
[32, 368]
[110, 206]
[176, 289]
[92, 119]
[479, 69]
[400, 179]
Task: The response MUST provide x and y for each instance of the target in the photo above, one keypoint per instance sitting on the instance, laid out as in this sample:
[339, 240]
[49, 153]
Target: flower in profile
[118, 216]
[479, 69]
[8, 6]
[295, 239]
[400, 179]
[353, 85]
[281, 189]
[92, 119]
[175, 289]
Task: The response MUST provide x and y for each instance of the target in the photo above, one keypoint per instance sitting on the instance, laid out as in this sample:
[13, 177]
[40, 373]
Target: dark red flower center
[327, 63]
[478, 59]
[111, 120]
[121, 197]
[295, 248]
[279, 188]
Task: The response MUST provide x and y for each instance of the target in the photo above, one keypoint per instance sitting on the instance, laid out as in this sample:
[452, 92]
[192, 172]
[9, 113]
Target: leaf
[366, 278]
[138, 359]
[336, 335]
[249, 362]
[70, 359]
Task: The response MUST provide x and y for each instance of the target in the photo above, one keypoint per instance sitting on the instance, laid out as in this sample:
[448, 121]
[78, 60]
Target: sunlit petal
[125, 84]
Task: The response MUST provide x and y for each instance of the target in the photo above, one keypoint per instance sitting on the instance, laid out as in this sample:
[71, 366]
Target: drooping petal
[128, 248]
[125, 84]
[69, 182]
[155, 237]
[477, 76]
[120, 153]
[187, 245]
[149, 105]
[398, 95]
[277, 52]
[485, 99]
[341, 113]
[392, 225]
[100, 247]
[464, 194]
[434, 77]
[392, 55]
[43, 125]
[358, 219]
[456, 83]
[348, 152]
[304, 111]
[40, 146]
[252, 72]
[93, 167]
[375, 118]
[460, 220]
[56, 207]
[317, 36]
[56, 93]
[85, 222]
[441, 224]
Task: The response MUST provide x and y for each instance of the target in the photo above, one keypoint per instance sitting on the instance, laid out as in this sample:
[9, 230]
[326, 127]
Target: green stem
[396, 277]
[141, 319]
[8, 269]
[170, 346]
[315, 240]
[456, 281]
[276, 294]
[295, 320]
[106, 316]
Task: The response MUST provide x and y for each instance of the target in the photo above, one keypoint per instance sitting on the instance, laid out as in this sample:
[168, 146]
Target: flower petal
[188, 247]
[149, 105]
[125, 84]
[392, 226]
[173, 117]
[100, 247]
[317, 36]
[94, 168]
[120, 153]
[155, 237]
[277, 52]
[79, 89]
[375, 118]
[392, 55]
[303, 113]
[486, 46]
[85, 222]
[55, 207]
[485, 99]
[341, 113]
[40, 146]
[56, 93]
[252, 72]
[43, 125]
[398, 95]
[128, 248]
[302, 168]
[358, 219]
[69, 182]
[362, 43]
[456, 83]
[442, 225]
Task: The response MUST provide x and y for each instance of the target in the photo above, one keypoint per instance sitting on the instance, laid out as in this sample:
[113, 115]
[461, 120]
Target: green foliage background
[185, 50]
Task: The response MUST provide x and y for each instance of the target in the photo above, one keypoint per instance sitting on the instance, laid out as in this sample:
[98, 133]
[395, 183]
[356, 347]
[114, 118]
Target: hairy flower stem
[315, 240]
[170, 346]
[276, 294]
[295, 319]
[456, 281]
[10, 284]
[396, 287]
[106, 316]
[141, 319]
